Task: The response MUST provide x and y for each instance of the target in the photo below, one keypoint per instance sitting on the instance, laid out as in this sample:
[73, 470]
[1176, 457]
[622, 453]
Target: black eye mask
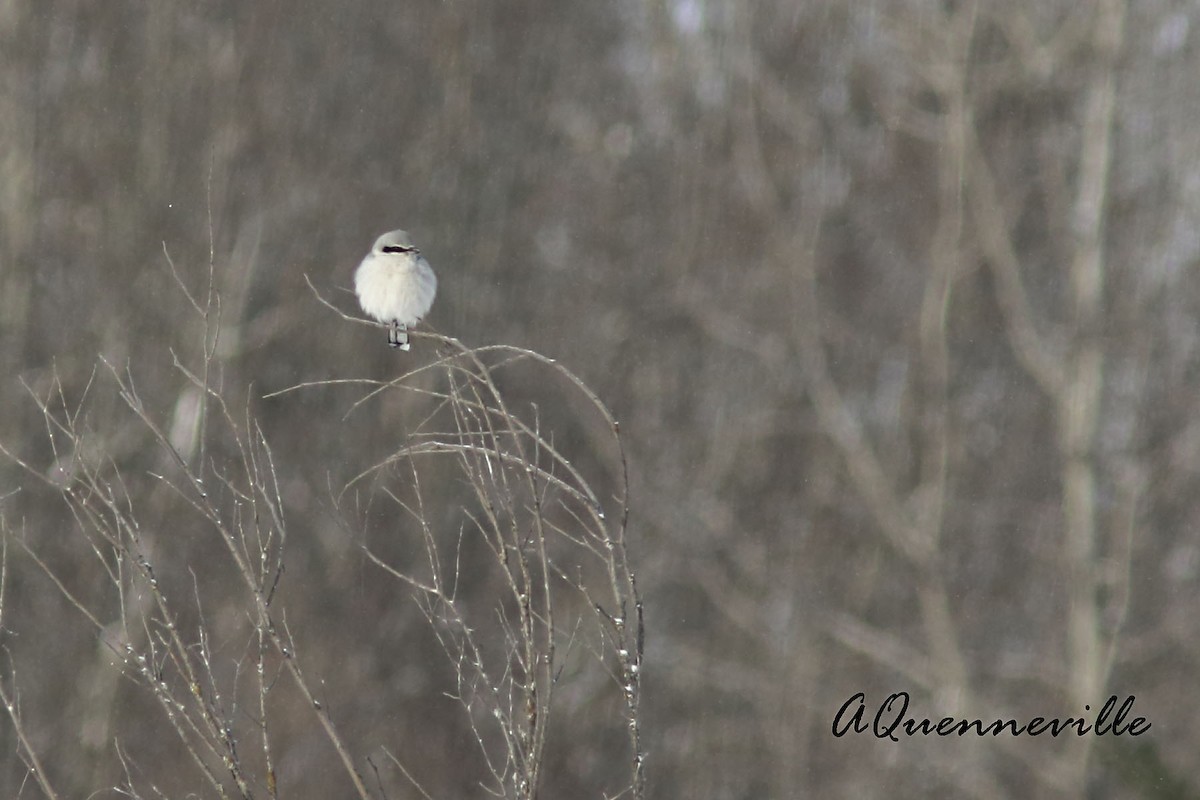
[395, 248]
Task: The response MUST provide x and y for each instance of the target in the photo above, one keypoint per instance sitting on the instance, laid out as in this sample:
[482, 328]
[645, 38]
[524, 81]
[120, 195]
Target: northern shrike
[395, 285]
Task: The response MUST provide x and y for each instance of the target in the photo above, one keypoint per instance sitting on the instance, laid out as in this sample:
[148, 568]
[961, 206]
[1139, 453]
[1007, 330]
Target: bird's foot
[398, 336]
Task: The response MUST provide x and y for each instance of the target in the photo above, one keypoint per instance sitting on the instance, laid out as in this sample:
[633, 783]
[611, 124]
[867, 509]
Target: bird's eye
[393, 248]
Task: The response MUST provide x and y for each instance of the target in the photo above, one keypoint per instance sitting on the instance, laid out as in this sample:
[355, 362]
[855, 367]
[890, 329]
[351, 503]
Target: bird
[395, 285]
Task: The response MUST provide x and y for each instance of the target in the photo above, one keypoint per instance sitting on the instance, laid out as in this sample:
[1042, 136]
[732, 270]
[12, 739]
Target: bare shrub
[552, 593]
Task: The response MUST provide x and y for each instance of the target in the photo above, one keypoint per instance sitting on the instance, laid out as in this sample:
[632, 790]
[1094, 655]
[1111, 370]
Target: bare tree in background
[963, 346]
[1070, 372]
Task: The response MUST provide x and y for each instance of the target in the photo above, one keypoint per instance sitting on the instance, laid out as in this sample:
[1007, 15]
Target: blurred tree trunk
[18, 117]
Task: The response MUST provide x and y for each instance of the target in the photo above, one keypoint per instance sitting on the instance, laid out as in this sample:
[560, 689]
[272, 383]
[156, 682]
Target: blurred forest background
[896, 304]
